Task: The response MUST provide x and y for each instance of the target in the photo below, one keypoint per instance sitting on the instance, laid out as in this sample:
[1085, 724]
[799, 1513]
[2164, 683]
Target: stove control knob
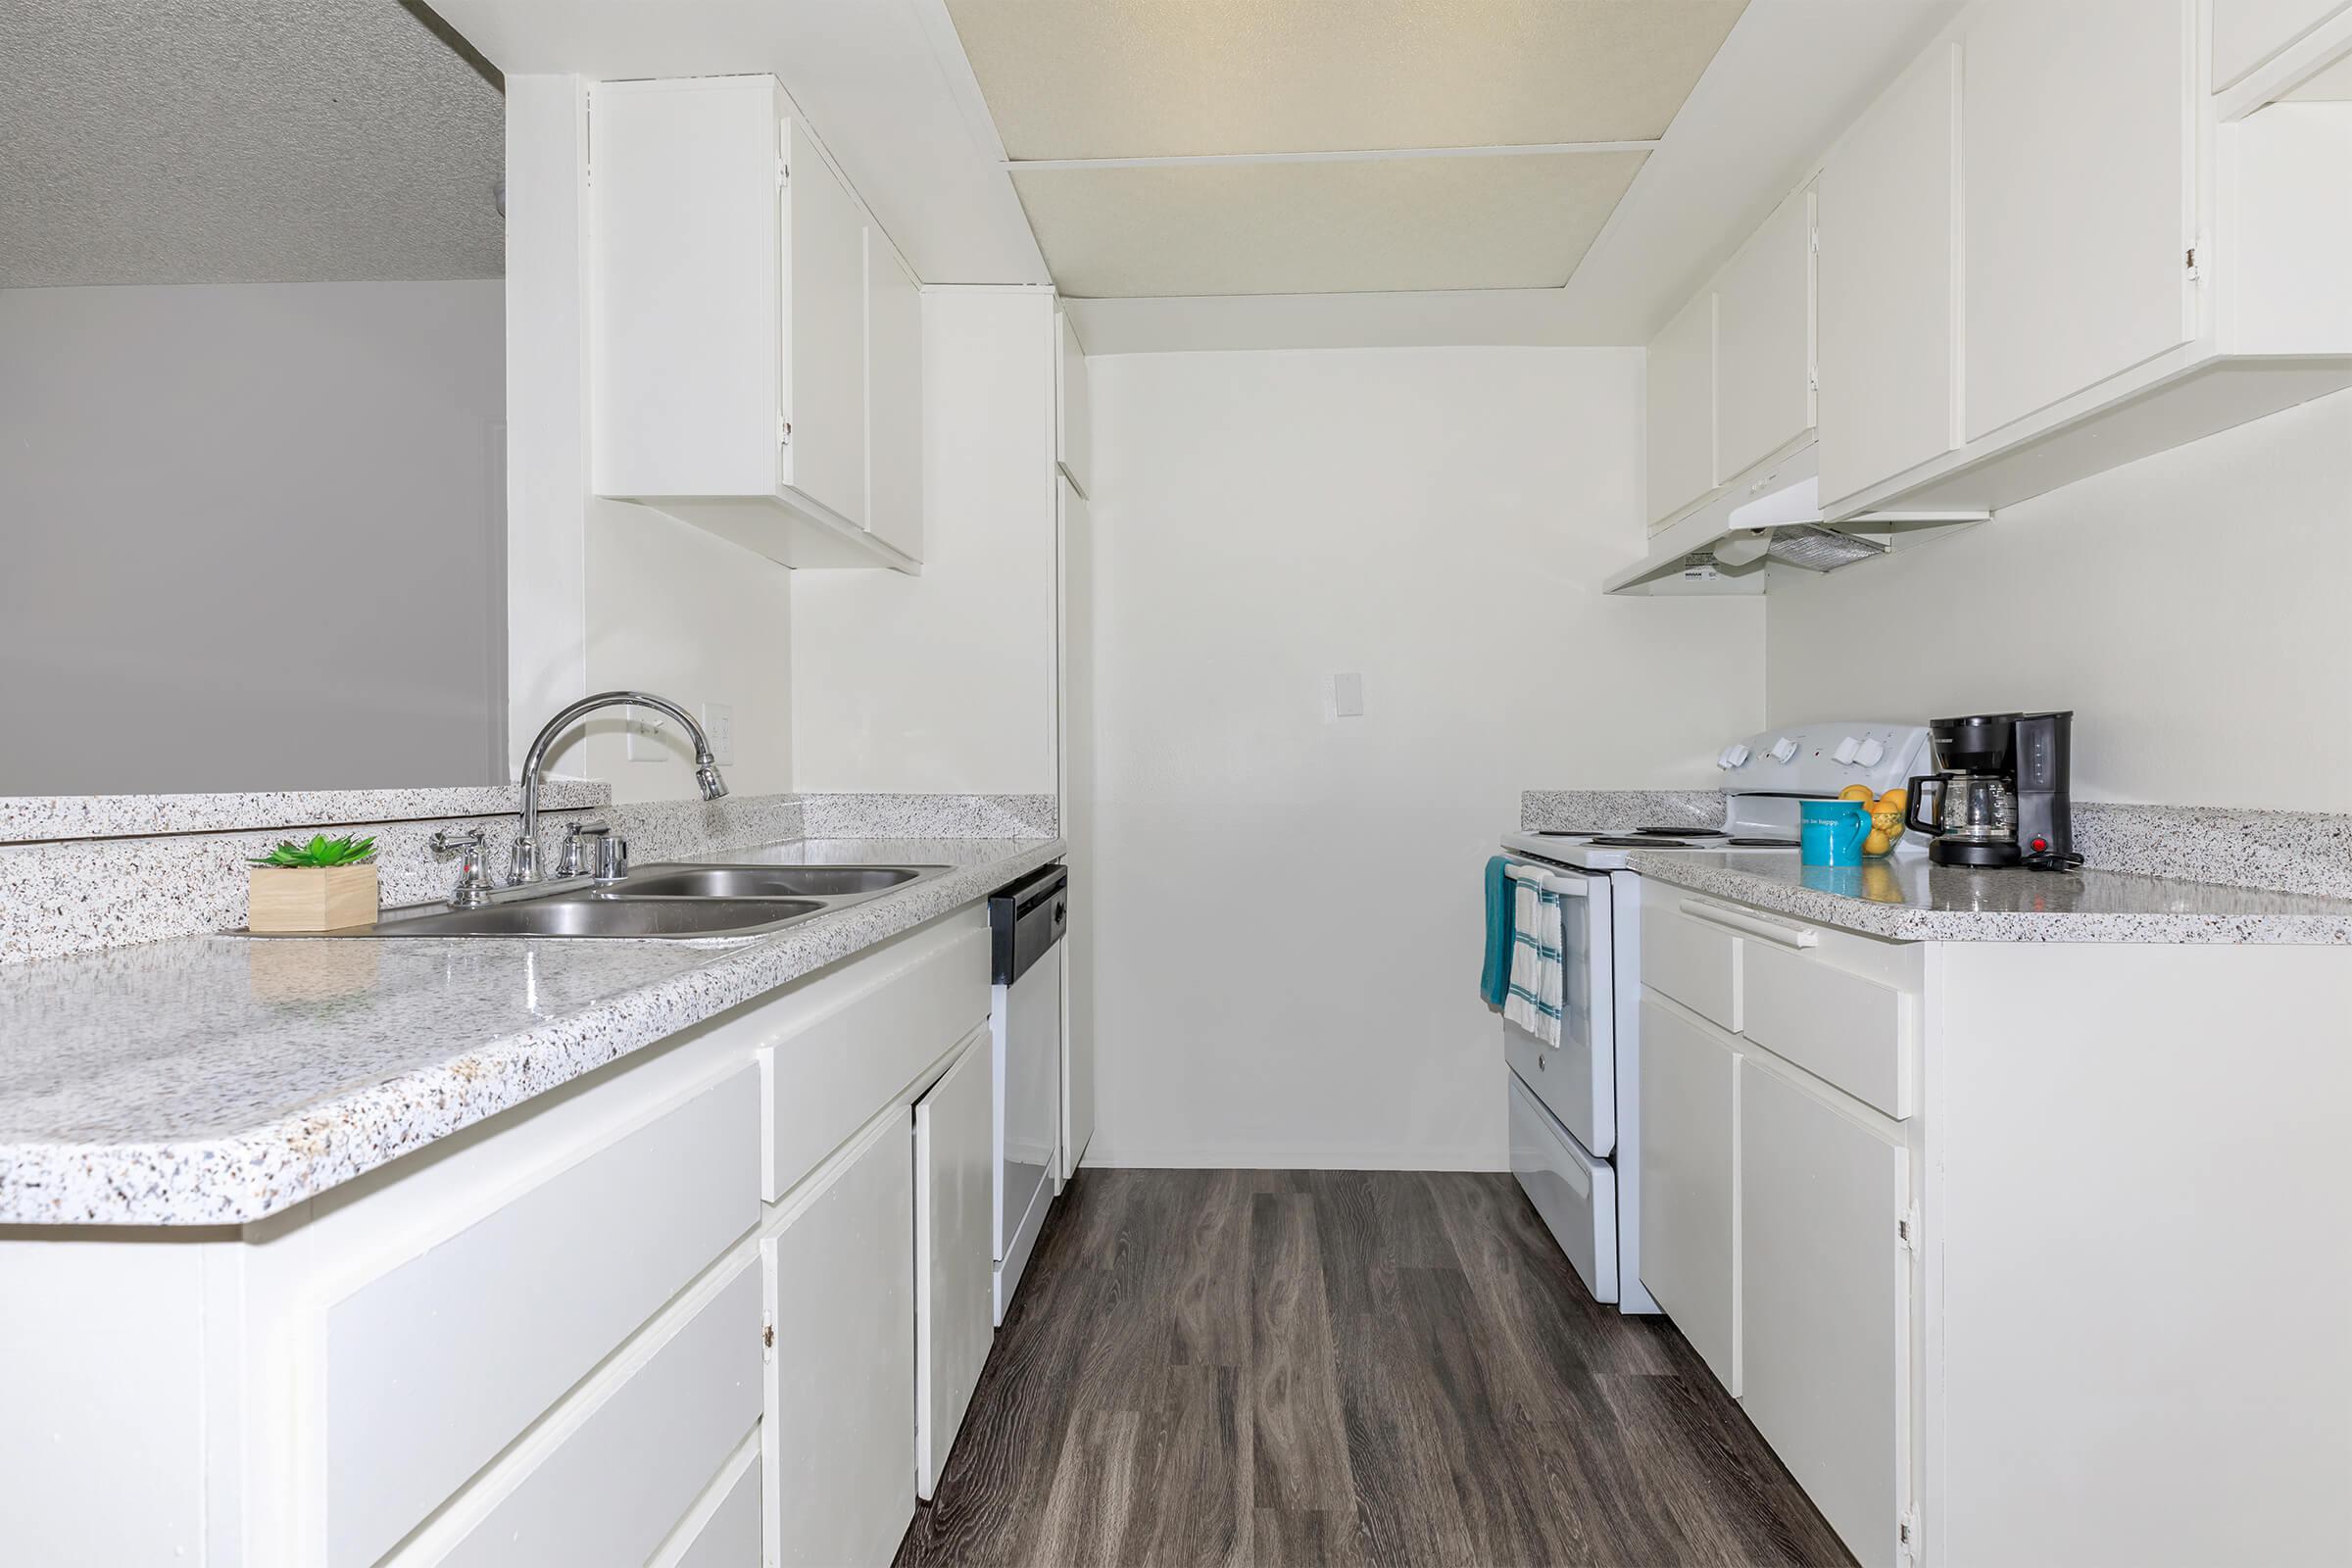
[1735, 754]
[1783, 750]
[1847, 750]
[1870, 753]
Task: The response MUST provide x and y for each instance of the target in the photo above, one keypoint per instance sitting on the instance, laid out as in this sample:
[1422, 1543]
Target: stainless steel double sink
[653, 903]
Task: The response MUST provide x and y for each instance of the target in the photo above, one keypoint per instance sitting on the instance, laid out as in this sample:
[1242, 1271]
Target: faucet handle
[474, 882]
[575, 858]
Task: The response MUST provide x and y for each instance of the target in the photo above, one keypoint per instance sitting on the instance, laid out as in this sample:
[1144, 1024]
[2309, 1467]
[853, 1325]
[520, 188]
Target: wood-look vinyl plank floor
[1269, 1369]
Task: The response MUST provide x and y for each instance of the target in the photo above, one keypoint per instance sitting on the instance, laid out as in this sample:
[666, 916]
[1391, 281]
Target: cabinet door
[1889, 222]
[2077, 151]
[894, 391]
[955, 1260]
[1680, 405]
[825, 295]
[1764, 340]
[839, 1422]
[1824, 1304]
[1689, 1238]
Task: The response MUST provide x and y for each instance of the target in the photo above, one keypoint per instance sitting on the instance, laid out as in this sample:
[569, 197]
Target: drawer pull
[1750, 926]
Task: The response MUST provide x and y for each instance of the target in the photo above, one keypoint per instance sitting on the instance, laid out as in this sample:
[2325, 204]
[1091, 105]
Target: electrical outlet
[718, 722]
[1348, 696]
[648, 733]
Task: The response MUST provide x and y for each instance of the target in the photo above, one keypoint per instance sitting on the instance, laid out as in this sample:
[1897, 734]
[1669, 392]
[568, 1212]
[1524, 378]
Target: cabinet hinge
[783, 174]
[2192, 264]
[1906, 1229]
[768, 1335]
[1906, 1535]
[783, 432]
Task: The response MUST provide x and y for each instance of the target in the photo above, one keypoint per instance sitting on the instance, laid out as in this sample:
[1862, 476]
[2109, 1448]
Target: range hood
[1729, 544]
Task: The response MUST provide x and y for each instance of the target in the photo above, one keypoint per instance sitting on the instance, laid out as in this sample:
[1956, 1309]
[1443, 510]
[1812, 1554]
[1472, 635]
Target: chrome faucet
[524, 866]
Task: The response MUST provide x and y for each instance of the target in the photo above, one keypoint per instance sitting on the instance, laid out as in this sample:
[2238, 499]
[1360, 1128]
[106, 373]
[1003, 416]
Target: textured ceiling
[186, 141]
[1128, 78]
[1371, 226]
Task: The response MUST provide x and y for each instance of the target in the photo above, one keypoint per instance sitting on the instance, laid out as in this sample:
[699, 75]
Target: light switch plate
[1348, 696]
[718, 722]
[648, 733]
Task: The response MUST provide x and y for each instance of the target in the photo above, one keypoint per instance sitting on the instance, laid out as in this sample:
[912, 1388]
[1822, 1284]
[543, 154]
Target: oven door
[1578, 1081]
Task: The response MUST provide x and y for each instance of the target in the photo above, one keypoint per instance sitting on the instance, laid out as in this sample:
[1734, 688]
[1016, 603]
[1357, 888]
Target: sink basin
[653, 902]
[603, 915]
[768, 881]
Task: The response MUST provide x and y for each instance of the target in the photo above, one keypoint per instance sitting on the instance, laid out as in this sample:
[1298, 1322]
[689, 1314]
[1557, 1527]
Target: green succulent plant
[320, 850]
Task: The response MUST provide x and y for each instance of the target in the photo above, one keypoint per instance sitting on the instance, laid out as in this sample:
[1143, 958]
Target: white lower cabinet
[839, 1428]
[955, 1256]
[1689, 1212]
[612, 1490]
[723, 1529]
[1825, 1298]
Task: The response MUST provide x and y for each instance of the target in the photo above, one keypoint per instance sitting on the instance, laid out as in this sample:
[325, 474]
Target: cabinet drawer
[873, 1030]
[1856, 1032]
[1689, 957]
[435, 1366]
[1574, 1193]
[723, 1531]
[614, 1487]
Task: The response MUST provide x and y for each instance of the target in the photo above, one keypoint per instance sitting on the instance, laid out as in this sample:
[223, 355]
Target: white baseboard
[1105, 1155]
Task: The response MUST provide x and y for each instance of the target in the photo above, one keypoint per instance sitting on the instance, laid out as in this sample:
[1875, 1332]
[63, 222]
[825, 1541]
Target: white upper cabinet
[2077, 135]
[1764, 341]
[1888, 214]
[1073, 427]
[1680, 407]
[823, 450]
[733, 305]
[894, 400]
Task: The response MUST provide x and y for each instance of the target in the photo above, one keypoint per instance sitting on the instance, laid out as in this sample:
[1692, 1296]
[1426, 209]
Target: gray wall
[252, 536]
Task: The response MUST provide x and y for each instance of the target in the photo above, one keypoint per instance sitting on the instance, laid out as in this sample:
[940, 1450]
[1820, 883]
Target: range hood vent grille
[1814, 547]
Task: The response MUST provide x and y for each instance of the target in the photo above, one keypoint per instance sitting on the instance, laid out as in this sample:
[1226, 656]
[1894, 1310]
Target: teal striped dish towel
[1533, 1004]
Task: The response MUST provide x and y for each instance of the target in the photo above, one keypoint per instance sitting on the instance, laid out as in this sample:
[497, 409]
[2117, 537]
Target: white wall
[945, 682]
[251, 536]
[2190, 608]
[687, 615]
[1286, 906]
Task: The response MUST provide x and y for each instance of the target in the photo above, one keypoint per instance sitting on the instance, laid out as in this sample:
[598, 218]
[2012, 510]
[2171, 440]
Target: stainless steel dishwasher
[1026, 922]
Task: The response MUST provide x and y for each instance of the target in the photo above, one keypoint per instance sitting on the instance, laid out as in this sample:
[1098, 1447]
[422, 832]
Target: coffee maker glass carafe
[1972, 808]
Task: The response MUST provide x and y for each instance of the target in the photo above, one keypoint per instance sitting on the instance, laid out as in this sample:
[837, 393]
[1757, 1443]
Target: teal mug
[1831, 832]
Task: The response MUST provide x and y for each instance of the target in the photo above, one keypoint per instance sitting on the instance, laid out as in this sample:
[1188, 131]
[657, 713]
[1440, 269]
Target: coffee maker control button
[1783, 748]
[2039, 845]
[1847, 750]
[1870, 753]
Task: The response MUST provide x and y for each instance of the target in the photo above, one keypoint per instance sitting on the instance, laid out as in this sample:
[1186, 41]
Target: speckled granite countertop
[1912, 899]
[216, 1080]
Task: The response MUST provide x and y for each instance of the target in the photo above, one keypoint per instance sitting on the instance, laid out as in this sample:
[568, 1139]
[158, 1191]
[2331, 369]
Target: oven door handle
[1750, 926]
[1571, 887]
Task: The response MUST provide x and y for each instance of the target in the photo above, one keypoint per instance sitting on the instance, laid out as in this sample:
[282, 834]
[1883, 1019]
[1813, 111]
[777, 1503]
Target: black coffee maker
[2001, 796]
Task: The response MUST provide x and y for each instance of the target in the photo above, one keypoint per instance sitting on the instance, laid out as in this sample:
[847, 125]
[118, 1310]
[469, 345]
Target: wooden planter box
[309, 898]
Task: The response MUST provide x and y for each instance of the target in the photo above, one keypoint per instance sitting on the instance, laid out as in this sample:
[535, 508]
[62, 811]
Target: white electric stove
[1574, 1107]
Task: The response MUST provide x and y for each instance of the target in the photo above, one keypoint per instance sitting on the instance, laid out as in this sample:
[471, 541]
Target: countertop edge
[1904, 924]
[237, 1178]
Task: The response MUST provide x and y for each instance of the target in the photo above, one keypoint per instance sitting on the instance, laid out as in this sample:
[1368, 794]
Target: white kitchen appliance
[1574, 1108]
[1026, 922]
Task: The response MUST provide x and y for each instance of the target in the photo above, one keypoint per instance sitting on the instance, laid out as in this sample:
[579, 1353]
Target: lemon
[1855, 792]
[1895, 800]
